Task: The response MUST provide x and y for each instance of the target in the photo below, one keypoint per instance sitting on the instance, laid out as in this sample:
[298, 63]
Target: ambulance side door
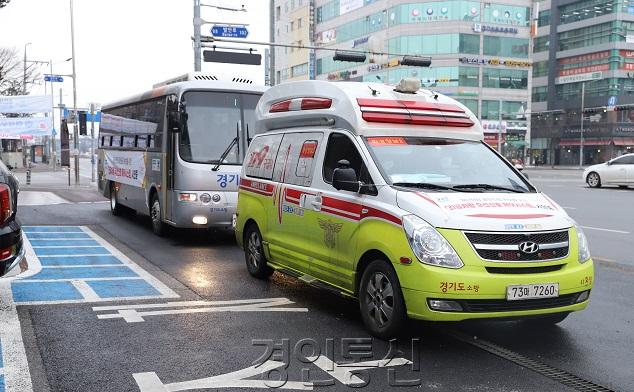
[340, 213]
[293, 220]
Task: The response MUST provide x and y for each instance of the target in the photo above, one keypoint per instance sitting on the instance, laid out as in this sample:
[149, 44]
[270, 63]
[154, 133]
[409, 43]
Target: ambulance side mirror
[345, 178]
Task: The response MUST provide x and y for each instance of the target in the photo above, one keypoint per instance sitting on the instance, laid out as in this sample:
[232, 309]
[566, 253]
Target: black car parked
[11, 247]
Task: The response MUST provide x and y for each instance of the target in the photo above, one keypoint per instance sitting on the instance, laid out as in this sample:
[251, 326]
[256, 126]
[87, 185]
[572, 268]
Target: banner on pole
[15, 127]
[126, 167]
[24, 104]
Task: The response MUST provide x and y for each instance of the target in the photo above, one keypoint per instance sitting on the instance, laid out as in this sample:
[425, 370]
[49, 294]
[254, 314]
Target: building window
[471, 104]
[278, 13]
[299, 70]
[505, 47]
[435, 44]
[504, 78]
[469, 77]
[292, 4]
[292, 26]
[541, 44]
[299, 23]
[540, 94]
[490, 110]
[544, 18]
[582, 10]
[540, 68]
[594, 35]
[513, 110]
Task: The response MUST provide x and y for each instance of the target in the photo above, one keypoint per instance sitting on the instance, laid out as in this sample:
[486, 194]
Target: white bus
[175, 152]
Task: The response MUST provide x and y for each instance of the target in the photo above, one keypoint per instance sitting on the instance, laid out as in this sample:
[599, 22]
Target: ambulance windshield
[444, 165]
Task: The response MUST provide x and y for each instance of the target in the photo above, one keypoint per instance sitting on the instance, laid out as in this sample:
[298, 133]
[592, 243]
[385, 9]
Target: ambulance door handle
[316, 202]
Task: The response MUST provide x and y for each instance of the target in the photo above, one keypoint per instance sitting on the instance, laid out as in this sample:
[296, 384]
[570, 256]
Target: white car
[618, 171]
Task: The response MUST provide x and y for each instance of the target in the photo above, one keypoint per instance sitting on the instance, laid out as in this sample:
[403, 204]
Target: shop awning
[624, 141]
[586, 142]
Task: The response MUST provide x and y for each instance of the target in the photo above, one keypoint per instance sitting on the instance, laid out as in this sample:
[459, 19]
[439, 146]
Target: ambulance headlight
[429, 246]
[584, 250]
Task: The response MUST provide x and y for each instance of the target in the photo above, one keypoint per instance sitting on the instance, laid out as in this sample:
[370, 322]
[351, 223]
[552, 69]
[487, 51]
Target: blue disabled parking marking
[44, 291]
[54, 229]
[34, 236]
[84, 273]
[77, 265]
[1, 383]
[54, 261]
[122, 288]
[53, 242]
[98, 250]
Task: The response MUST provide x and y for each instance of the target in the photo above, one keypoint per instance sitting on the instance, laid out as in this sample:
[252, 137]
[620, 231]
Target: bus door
[169, 155]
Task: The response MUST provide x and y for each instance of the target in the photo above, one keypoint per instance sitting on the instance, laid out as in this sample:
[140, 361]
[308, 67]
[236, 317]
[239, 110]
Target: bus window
[249, 102]
[213, 121]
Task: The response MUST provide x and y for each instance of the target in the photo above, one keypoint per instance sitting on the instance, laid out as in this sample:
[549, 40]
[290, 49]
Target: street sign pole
[92, 142]
[583, 96]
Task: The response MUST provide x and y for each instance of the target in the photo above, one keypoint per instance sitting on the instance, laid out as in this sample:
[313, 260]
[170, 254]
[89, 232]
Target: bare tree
[4, 3]
[12, 73]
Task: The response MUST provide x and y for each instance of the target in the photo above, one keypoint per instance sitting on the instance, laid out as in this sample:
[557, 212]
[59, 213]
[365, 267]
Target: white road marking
[65, 246]
[17, 377]
[149, 382]
[85, 290]
[82, 255]
[608, 230]
[165, 291]
[131, 315]
[344, 373]
[85, 266]
[34, 198]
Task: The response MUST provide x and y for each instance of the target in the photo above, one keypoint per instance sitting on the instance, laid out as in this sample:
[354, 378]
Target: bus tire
[254, 253]
[116, 208]
[381, 301]
[158, 226]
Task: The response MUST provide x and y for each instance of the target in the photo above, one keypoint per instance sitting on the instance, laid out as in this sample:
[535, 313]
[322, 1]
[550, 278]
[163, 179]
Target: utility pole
[24, 76]
[583, 96]
[197, 24]
[92, 142]
[272, 24]
[53, 120]
[75, 130]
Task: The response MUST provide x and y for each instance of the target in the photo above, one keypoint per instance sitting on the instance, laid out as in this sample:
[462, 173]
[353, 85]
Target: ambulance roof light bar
[296, 104]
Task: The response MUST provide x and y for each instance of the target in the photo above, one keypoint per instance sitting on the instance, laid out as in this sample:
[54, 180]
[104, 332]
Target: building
[583, 47]
[480, 54]
[293, 25]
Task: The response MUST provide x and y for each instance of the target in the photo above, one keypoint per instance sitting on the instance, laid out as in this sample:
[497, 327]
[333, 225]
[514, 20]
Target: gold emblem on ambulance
[331, 230]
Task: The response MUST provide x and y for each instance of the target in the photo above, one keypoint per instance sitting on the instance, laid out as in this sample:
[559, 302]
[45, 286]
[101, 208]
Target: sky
[122, 47]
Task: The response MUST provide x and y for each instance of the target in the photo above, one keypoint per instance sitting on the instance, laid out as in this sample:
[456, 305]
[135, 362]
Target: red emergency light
[413, 112]
[295, 104]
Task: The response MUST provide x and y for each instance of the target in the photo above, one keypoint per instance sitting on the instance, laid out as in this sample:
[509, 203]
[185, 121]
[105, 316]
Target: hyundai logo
[529, 247]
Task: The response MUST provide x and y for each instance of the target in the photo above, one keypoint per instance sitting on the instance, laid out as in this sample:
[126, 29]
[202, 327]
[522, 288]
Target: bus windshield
[444, 164]
[214, 120]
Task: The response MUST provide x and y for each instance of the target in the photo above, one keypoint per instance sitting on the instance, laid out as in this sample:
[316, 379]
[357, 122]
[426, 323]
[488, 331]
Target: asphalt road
[70, 348]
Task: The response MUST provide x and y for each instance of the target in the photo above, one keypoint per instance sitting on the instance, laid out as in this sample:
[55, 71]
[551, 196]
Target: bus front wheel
[158, 227]
[115, 207]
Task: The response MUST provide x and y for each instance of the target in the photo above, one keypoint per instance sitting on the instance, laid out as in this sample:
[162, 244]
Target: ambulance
[389, 194]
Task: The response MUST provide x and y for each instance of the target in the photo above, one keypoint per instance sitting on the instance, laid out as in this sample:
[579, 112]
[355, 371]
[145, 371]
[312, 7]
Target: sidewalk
[548, 167]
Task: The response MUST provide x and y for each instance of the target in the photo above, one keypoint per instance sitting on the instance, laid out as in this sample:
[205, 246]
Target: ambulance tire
[381, 300]
[254, 253]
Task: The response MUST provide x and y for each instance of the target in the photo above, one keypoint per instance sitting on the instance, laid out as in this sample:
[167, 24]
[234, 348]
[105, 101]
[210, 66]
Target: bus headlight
[429, 246]
[584, 249]
[187, 197]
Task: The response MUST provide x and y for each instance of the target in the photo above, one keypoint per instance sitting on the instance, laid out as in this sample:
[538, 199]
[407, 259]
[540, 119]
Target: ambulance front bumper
[477, 294]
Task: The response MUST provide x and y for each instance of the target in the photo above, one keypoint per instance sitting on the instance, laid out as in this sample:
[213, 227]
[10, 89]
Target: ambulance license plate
[532, 291]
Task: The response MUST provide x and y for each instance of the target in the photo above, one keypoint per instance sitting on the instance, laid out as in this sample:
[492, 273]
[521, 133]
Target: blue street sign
[229, 31]
[66, 113]
[612, 101]
[53, 78]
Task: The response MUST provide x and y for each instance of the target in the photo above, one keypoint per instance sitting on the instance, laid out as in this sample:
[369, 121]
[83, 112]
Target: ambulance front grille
[553, 245]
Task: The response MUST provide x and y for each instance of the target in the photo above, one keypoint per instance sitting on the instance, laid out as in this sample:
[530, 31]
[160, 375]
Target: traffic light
[83, 130]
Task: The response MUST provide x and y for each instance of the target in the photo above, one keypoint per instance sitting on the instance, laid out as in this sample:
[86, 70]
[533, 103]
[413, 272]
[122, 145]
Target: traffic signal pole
[75, 128]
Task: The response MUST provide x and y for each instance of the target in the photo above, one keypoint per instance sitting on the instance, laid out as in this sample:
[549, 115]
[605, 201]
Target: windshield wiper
[487, 186]
[425, 185]
[228, 150]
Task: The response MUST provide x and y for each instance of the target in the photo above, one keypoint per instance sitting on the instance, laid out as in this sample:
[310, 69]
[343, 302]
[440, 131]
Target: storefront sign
[343, 75]
[17, 127]
[126, 167]
[346, 6]
[326, 37]
[629, 54]
[585, 58]
[25, 104]
[377, 67]
[579, 78]
[583, 70]
[495, 61]
[480, 28]
[360, 41]
[491, 126]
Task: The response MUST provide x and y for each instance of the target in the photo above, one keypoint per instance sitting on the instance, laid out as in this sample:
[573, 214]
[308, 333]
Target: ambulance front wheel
[381, 300]
[254, 253]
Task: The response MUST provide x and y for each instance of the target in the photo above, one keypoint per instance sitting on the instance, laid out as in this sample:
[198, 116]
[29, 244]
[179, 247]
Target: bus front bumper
[199, 215]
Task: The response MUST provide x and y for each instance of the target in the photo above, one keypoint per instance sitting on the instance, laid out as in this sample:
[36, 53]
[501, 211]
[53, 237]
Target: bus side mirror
[175, 120]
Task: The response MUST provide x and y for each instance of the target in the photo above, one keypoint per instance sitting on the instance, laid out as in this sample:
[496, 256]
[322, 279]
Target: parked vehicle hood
[485, 211]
